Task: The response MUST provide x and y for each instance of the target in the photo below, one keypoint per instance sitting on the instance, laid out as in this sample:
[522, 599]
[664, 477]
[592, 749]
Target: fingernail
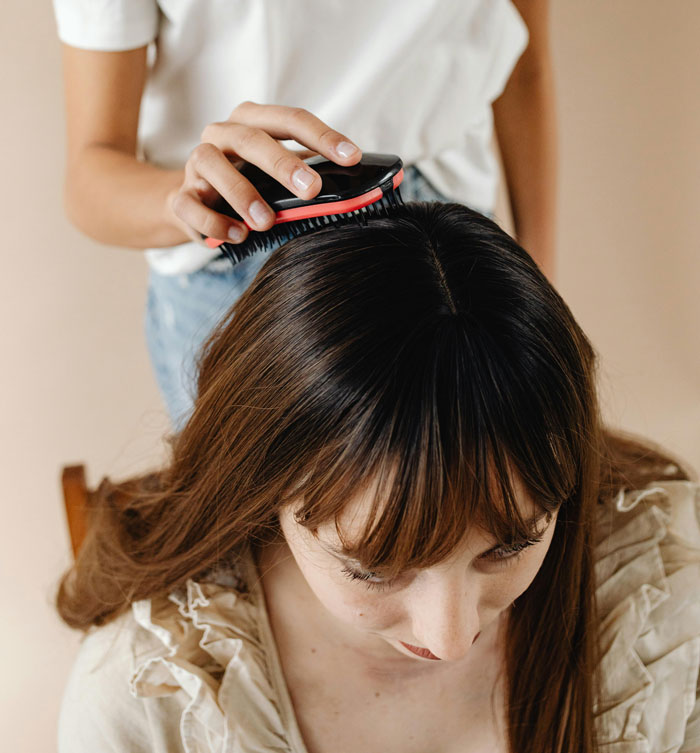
[302, 178]
[259, 213]
[235, 233]
[346, 149]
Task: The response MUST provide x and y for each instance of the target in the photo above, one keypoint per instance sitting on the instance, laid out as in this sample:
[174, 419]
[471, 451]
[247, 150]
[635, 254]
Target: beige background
[76, 381]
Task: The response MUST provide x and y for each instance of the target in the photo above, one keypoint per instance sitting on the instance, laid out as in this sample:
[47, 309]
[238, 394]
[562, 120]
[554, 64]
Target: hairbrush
[348, 195]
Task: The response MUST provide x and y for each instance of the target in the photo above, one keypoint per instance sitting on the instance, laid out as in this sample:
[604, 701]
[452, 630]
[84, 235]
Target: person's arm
[116, 199]
[525, 125]
[110, 195]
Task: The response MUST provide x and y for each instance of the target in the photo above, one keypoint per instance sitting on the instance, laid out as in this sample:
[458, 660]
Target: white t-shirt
[409, 77]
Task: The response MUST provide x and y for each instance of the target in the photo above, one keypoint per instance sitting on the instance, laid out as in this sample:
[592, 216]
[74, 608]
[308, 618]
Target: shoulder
[647, 567]
[211, 659]
[149, 680]
[98, 709]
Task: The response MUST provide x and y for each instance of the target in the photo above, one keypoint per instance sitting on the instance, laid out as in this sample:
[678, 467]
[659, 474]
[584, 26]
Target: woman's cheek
[525, 571]
[520, 580]
[353, 604]
[504, 587]
[375, 612]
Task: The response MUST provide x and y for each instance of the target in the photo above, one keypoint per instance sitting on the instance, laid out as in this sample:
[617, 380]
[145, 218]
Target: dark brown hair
[428, 344]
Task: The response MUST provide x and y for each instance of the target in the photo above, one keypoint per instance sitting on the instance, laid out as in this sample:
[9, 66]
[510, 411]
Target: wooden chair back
[76, 499]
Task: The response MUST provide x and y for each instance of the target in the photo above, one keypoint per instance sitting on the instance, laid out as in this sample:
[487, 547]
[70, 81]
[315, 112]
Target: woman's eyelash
[509, 553]
[356, 575]
[502, 555]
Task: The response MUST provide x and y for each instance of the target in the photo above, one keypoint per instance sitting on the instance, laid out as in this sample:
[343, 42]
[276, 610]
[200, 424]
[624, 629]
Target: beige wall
[76, 382]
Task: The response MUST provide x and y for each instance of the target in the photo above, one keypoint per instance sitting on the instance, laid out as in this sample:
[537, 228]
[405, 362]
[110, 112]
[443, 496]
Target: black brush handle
[339, 182]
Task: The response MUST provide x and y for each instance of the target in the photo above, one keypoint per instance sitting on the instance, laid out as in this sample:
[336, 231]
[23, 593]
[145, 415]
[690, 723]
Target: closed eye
[500, 555]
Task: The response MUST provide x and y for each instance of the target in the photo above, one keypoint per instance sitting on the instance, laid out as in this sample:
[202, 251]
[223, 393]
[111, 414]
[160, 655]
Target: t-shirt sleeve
[98, 711]
[109, 25]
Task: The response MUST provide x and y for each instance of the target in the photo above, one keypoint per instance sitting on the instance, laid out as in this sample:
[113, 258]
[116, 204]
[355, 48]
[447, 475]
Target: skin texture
[117, 199]
[525, 122]
[443, 608]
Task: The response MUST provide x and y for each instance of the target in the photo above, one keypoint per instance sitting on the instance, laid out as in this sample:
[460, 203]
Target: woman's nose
[445, 617]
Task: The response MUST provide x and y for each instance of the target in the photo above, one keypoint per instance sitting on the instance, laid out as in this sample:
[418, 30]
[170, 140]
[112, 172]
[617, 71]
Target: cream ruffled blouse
[198, 671]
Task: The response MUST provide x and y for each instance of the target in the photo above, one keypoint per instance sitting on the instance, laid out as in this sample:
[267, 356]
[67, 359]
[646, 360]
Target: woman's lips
[426, 653]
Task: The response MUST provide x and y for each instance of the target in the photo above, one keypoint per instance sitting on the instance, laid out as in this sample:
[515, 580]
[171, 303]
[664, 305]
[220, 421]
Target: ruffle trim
[211, 651]
[648, 594]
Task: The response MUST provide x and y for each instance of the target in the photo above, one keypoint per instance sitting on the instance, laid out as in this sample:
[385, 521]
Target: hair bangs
[436, 459]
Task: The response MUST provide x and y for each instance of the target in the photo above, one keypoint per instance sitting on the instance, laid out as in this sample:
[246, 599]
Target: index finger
[283, 122]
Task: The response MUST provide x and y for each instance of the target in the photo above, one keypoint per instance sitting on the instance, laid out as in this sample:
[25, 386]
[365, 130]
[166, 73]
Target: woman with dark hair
[394, 521]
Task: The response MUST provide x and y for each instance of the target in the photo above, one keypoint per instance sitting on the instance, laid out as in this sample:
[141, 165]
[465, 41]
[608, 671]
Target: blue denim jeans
[183, 309]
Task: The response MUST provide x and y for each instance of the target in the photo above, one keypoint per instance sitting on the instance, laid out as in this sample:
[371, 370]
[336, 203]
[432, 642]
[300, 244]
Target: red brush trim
[335, 207]
[321, 210]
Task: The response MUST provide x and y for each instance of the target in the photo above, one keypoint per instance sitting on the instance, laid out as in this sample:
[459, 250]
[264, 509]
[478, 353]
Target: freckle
[376, 695]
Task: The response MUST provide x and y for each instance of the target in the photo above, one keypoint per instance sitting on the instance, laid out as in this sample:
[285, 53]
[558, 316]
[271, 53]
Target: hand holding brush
[251, 135]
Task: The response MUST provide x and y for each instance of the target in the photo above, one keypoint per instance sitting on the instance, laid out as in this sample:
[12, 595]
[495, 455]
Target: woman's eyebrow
[344, 554]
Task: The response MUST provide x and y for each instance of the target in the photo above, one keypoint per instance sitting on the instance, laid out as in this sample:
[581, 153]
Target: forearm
[525, 124]
[117, 200]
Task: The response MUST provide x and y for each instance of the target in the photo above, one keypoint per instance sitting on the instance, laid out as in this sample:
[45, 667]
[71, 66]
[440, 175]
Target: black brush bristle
[268, 239]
